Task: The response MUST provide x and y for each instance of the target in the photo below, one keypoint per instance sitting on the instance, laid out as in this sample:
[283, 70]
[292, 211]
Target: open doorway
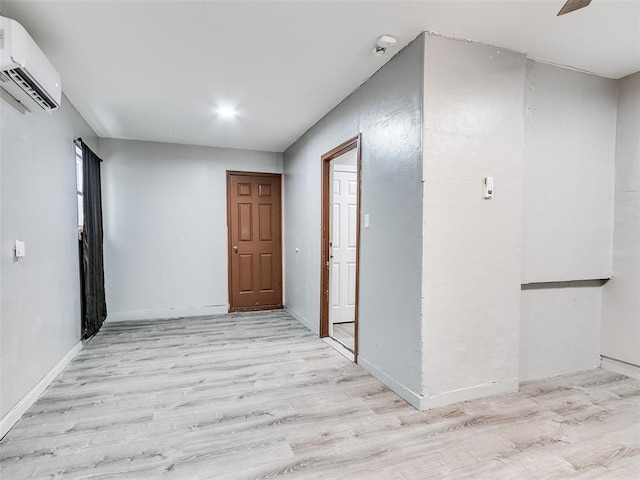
[340, 246]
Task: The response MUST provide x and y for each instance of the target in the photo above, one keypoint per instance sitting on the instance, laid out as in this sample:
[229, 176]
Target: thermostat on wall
[488, 188]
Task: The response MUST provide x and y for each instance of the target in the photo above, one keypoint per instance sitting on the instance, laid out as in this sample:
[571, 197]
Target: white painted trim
[340, 348]
[422, 402]
[158, 314]
[628, 369]
[410, 396]
[302, 320]
[469, 393]
[10, 419]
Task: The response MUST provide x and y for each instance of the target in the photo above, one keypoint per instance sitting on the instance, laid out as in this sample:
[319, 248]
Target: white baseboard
[426, 402]
[10, 419]
[302, 320]
[410, 396]
[628, 369]
[157, 314]
[337, 346]
[469, 393]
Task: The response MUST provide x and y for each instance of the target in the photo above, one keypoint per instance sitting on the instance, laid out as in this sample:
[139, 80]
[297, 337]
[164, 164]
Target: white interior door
[343, 246]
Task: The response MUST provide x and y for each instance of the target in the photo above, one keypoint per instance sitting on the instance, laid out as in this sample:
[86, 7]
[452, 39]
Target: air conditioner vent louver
[31, 88]
[26, 74]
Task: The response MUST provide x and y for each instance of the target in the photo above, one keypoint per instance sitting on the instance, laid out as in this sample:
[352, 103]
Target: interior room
[320, 239]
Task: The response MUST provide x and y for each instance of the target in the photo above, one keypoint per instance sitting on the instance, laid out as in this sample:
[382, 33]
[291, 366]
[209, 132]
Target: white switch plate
[366, 220]
[487, 188]
[20, 249]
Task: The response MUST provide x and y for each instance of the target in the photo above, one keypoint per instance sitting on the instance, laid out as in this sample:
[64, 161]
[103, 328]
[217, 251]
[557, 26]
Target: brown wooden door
[255, 247]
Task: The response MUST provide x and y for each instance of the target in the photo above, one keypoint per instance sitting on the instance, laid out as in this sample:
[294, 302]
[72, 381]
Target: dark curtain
[94, 306]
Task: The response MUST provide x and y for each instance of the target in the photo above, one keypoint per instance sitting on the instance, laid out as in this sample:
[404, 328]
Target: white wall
[621, 297]
[473, 128]
[387, 111]
[570, 120]
[559, 330]
[570, 132]
[40, 294]
[165, 231]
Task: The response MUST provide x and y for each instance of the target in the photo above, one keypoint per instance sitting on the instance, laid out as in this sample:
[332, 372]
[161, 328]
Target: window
[79, 184]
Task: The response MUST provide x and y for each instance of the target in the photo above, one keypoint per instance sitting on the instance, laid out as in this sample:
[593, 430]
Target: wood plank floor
[257, 396]
[345, 334]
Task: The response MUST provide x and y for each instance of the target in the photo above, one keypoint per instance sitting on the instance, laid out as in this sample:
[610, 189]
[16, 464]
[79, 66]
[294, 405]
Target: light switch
[20, 249]
[366, 220]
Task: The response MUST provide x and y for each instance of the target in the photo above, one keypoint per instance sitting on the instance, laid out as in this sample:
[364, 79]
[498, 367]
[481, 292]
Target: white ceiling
[157, 70]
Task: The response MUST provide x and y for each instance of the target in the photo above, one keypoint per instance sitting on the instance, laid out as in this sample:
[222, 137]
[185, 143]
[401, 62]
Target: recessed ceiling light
[227, 112]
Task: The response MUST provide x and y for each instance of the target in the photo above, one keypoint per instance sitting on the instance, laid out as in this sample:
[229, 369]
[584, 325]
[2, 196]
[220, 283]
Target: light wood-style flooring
[257, 396]
[345, 334]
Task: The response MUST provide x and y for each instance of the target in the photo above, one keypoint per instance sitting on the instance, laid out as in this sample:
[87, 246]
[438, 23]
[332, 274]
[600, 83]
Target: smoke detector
[384, 42]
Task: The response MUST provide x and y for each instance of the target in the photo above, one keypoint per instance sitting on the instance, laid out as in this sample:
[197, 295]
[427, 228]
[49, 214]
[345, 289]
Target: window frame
[79, 189]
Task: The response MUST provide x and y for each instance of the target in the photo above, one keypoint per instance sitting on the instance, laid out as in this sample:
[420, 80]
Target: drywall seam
[10, 419]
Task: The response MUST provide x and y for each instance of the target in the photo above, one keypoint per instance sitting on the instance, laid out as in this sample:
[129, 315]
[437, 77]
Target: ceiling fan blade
[573, 5]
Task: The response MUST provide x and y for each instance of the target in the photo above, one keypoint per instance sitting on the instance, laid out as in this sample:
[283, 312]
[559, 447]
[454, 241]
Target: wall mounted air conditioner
[25, 73]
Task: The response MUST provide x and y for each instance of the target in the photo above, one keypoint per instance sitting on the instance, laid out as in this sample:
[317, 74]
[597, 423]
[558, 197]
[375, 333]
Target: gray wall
[621, 297]
[570, 125]
[165, 225]
[387, 111]
[570, 135]
[473, 128]
[40, 296]
[559, 330]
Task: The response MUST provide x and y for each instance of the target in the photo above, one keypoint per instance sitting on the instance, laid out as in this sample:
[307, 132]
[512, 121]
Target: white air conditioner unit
[25, 73]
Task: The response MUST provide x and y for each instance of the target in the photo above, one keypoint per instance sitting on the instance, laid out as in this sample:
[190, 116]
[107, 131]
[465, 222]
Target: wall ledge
[618, 366]
[10, 419]
[595, 282]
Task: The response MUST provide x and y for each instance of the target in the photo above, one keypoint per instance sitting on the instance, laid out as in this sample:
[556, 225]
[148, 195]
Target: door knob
[235, 249]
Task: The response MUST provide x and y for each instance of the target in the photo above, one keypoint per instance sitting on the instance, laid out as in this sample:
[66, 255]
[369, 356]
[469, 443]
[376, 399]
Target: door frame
[351, 144]
[231, 173]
